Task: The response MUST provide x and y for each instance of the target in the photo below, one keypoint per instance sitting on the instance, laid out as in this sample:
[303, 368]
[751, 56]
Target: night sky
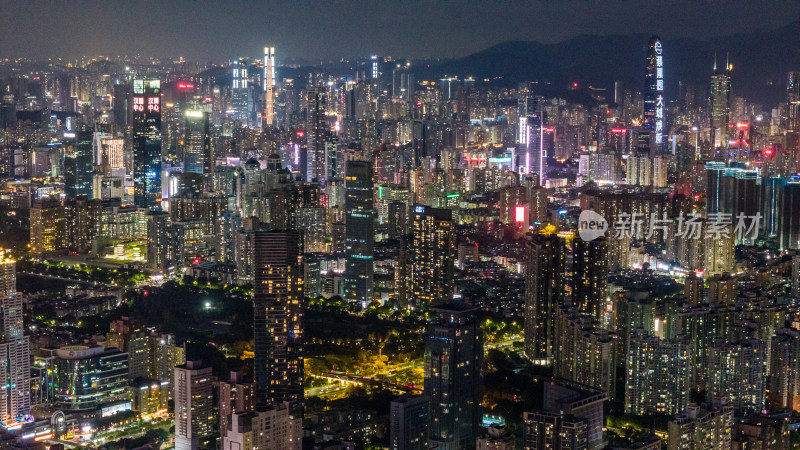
[207, 30]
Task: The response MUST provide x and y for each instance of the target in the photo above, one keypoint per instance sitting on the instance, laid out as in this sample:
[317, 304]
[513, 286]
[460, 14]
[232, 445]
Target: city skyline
[592, 244]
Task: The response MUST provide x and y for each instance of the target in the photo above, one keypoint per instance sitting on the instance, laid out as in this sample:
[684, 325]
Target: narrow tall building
[241, 94]
[146, 143]
[198, 156]
[432, 256]
[269, 85]
[316, 131]
[15, 395]
[236, 396]
[654, 104]
[359, 232]
[720, 105]
[590, 276]
[793, 102]
[277, 316]
[78, 167]
[194, 407]
[8, 276]
[454, 377]
[544, 287]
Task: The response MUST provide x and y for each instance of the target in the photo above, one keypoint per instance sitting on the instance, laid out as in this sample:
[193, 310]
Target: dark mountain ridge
[761, 60]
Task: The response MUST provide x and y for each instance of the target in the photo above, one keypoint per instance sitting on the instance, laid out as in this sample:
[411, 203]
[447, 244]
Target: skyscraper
[241, 94]
[403, 82]
[432, 256]
[654, 92]
[454, 377]
[48, 229]
[738, 370]
[720, 105]
[789, 225]
[408, 423]
[123, 107]
[316, 131]
[657, 375]
[590, 276]
[235, 397]
[197, 153]
[15, 365]
[78, 167]
[544, 283]
[146, 143]
[8, 276]
[269, 85]
[793, 102]
[194, 408]
[277, 315]
[359, 232]
[784, 379]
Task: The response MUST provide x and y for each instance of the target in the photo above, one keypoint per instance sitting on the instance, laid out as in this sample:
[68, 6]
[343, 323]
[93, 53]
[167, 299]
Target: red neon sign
[619, 130]
[549, 130]
[770, 152]
[184, 86]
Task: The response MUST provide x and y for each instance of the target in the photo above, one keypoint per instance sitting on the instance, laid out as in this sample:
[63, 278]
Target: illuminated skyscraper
[590, 276]
[198, 155]
[454, 377]
[738, 370]
[316, 131]
[654, 92]
[48, 229]
[78, 167]
[720, 105]
[241, 94]
[269, 85]
[8, 276]
[278, 316]
[657, 375]
[194, 406]
[359, 232]
[793, 102]
[789, 225]
[15, 395]
[784, 379]
[236, 396]
[146, 143]
[403, 82]
[544, 283]
[532, 138]
[432, 256]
